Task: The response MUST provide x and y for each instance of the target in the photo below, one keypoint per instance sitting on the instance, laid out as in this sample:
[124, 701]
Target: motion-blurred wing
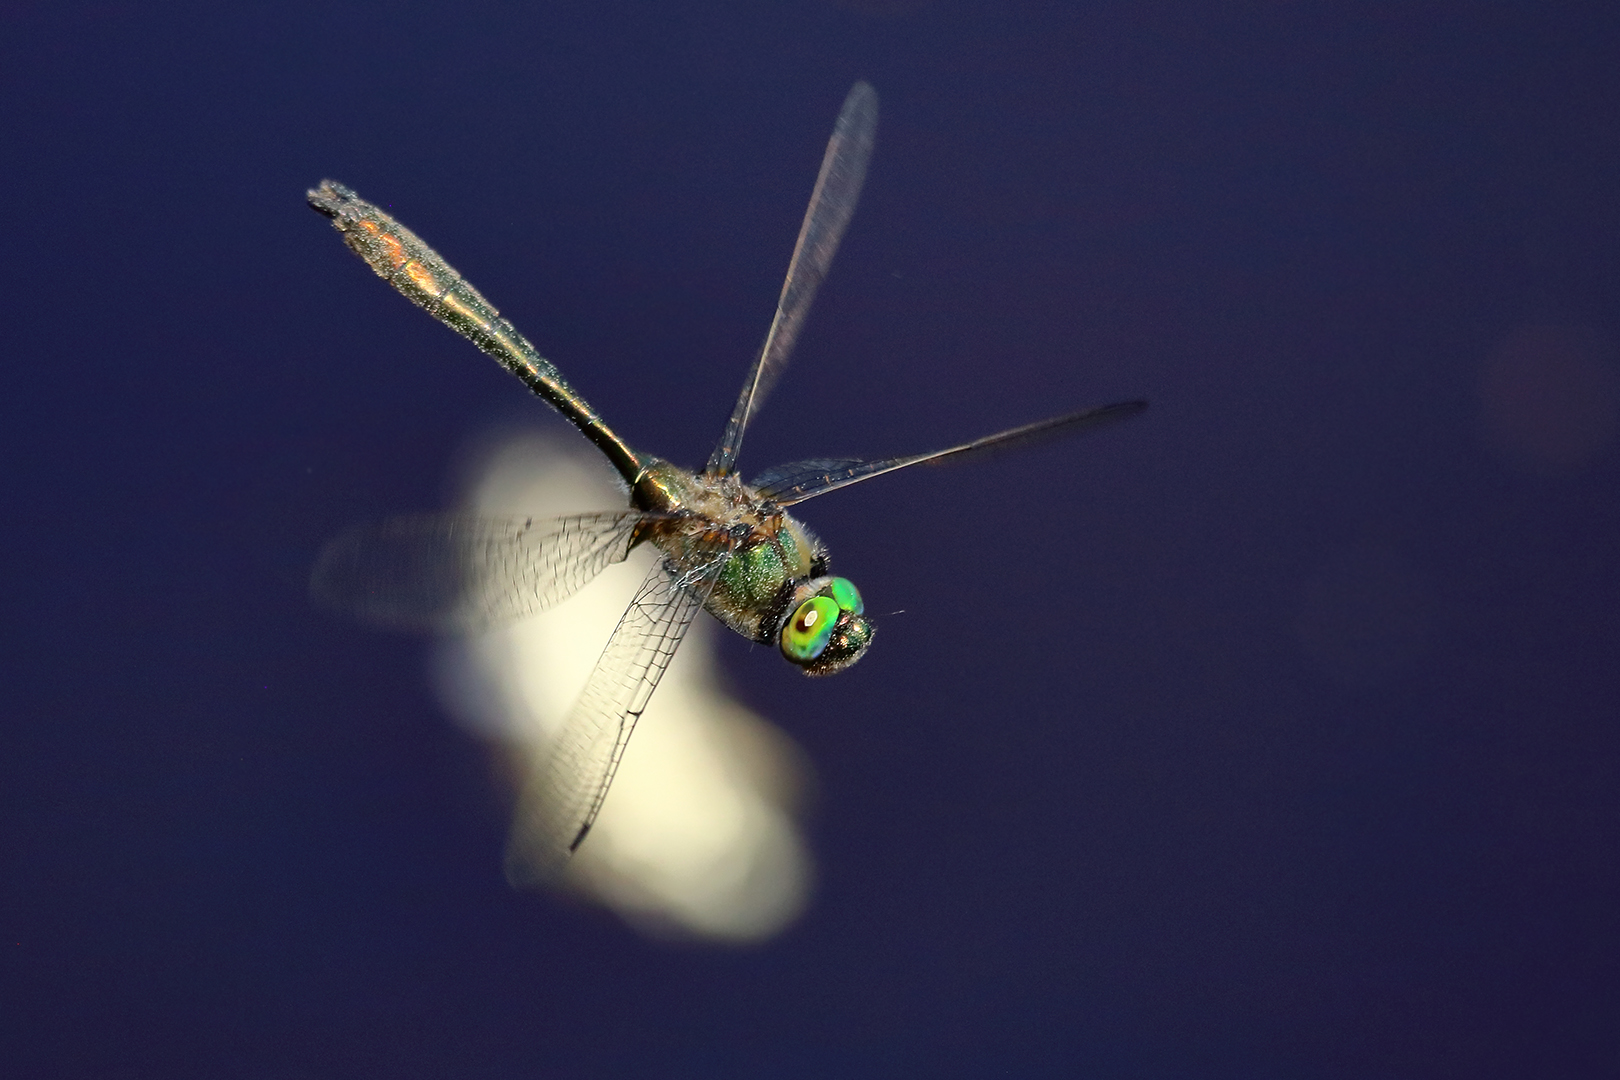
[832, 204]
[801, 480]
[563, 797]
[457, 572]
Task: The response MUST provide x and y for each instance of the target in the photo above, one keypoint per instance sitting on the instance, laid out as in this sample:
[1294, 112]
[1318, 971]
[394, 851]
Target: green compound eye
[846, 595]
[805, 636]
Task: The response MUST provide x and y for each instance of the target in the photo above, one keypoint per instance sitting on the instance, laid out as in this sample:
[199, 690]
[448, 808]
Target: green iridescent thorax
[772, 554]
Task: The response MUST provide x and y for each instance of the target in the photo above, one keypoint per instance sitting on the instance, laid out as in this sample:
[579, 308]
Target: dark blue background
[1099, 804]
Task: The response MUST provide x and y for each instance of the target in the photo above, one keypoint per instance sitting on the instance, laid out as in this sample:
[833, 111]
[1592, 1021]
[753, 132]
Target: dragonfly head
[825, 630]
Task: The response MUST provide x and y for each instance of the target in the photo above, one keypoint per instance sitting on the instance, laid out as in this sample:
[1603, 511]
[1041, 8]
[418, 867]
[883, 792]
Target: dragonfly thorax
[772, 584]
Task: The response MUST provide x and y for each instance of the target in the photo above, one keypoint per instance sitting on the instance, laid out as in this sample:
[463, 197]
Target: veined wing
[801, 480]
[782, 481]
[457, 572]
[563, 797]
[401, 258]
[832, 204]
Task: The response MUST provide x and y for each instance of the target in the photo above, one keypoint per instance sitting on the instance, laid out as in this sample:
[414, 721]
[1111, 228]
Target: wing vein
[832, 204]
[565, 793]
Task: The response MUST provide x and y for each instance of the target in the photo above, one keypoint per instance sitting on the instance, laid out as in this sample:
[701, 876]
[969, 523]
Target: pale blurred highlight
[698, 836]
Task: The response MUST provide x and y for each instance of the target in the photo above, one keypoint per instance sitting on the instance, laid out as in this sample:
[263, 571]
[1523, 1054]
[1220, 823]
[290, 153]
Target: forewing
[801, 480]
[451, 572]
[565, 794]
[780, 481]
[832, 204]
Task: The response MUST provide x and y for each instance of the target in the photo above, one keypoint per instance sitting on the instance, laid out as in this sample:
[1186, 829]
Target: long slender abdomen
[401, 258]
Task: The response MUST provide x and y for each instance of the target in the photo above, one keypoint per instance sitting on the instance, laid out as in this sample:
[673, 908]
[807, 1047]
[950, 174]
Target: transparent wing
[563, 797]
[457, 572]
[832, 204]
[794, 475]
[801, 480]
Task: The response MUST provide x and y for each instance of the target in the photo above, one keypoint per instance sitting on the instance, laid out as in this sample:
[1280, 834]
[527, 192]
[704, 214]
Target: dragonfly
[727, 546]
